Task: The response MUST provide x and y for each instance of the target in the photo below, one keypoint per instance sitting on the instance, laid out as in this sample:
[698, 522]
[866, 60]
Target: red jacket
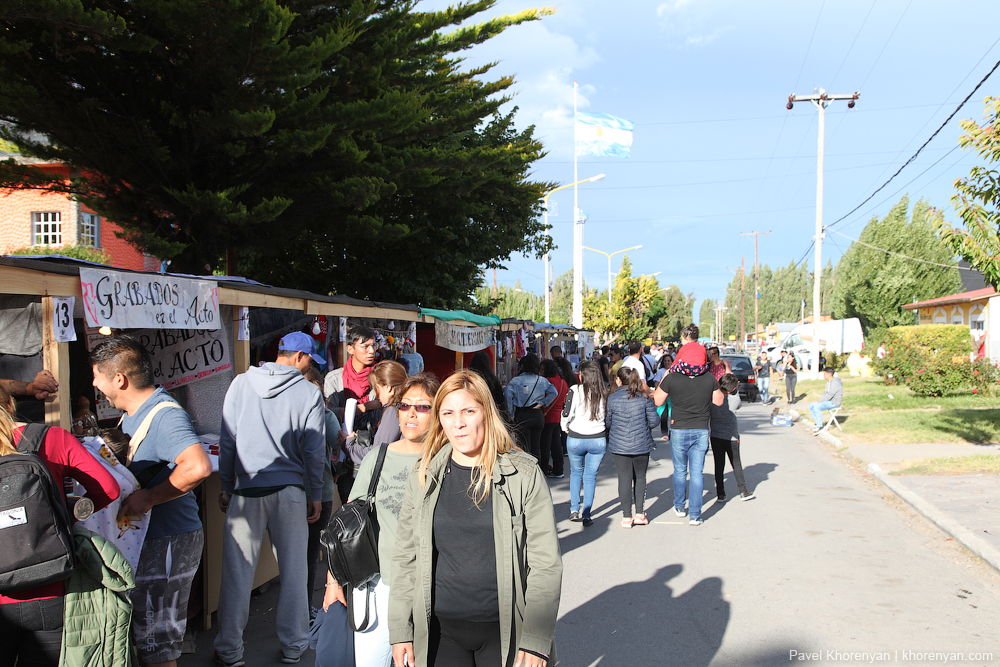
[554, 411]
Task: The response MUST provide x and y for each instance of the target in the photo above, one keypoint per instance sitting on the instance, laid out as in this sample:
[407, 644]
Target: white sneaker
[696, 522]
[680, 512]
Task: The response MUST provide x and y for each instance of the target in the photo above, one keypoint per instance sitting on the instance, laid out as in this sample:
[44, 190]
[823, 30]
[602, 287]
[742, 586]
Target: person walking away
[476, 571]
[717, 366]
[763, 370]
[527, 394]
[330, 501]
[630, 416]
[791, 376]
[666, 361]
[482, 363]
[572, 379]
[551, 445]
[691, 389]
[272, 442]
[371, 647]
[725, 438]
[582, 420]
[634, 361]
[31, 619]
[832, 397]
[164, 447]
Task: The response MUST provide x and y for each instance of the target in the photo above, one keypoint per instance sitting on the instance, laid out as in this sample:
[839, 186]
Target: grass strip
[977, 464]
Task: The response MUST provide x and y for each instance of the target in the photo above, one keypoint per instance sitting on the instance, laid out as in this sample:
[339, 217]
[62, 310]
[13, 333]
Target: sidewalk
[966, 507]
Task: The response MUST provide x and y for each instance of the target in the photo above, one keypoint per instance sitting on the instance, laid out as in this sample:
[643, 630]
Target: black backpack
[36, 544]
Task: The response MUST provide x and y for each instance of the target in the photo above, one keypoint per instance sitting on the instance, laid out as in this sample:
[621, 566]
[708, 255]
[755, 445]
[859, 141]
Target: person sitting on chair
[831, 398]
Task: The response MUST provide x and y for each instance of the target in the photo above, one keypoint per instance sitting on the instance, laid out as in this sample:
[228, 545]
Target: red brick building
[52, 219]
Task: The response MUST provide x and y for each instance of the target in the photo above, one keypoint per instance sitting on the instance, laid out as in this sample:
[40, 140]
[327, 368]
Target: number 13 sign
[63, 330]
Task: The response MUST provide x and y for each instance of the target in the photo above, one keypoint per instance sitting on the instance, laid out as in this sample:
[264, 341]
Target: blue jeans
[817, 411]
[585, 455]
[688, 447]
[763, 385]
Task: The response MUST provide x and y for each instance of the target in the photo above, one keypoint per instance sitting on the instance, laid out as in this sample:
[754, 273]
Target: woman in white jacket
[587, 438]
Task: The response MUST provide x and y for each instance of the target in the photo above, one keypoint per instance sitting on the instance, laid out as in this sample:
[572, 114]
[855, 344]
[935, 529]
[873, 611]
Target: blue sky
[715, 152]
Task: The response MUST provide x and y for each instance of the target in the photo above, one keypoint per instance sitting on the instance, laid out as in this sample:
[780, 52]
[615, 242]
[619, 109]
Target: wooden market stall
[447, 339]
[201, 348]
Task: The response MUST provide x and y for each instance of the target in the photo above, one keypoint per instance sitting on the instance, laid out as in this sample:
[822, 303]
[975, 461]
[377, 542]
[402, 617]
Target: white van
[840, 336]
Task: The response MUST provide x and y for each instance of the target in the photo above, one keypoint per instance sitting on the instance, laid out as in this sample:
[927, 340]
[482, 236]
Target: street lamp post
[545, 199]
[609, 255]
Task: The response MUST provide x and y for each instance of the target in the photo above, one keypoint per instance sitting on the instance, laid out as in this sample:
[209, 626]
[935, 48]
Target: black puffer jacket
[629, 421]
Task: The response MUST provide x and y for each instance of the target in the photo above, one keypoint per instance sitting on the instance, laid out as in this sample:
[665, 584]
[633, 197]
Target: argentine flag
[602, 135]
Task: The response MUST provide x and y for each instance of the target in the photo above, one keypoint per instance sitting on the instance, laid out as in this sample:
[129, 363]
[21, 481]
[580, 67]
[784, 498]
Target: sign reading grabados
[462, 339]
[182, 356]
[148, 301]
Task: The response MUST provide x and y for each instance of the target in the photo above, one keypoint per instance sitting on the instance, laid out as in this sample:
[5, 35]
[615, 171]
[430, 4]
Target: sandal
[627, 522]
[640, 520]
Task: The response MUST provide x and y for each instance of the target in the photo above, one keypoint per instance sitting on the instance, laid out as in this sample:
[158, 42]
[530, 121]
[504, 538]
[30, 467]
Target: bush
[835, 361]
[984, 377]
[75, 251]
[931, 347]
[938, 379]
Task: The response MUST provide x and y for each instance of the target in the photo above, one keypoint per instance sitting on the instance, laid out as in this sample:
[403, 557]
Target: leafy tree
[782, 292]
[510, 302]
[872, 285]
[625, 317]
[677, 313]
[977, 200]
[706, 314]
[334, 147]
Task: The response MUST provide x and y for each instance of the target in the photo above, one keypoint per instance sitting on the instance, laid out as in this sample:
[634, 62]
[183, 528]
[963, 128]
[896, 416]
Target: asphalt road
[823, 562]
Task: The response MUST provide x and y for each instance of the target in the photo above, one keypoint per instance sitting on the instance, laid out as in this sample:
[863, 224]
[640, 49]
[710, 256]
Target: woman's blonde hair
[7, 408]
[497, 441]
[389, 374]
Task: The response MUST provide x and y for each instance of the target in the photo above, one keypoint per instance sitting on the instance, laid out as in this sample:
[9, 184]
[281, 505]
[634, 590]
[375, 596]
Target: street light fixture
[609, 255]
[545, 200]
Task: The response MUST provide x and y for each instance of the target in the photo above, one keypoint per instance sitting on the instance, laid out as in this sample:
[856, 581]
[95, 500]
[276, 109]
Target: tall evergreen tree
[872, 284]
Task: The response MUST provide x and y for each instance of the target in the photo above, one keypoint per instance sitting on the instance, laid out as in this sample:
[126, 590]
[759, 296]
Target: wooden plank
[17, 280]
[459, 361]
[55, 358]
[232, 297]
[349, 310]
[241, 348]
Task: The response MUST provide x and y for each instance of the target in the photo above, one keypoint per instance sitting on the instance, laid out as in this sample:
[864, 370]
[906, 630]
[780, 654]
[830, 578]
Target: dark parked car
[743, 369]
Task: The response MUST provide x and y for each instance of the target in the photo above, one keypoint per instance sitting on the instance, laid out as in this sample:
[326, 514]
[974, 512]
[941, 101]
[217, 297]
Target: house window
[940, 317]
[46, 228]
[90, 230]
[957, 315]
[977, 320]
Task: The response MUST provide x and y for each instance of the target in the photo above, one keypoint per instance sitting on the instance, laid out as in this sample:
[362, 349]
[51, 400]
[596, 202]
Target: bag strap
[140, 434]
[349, 599]
[376, 473]
[529, 393]
[32, 438]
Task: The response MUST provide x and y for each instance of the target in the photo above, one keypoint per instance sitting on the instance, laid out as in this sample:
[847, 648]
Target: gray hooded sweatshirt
[273, 431]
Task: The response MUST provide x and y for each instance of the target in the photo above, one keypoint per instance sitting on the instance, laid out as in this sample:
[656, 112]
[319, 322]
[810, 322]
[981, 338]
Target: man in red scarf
[351, 381]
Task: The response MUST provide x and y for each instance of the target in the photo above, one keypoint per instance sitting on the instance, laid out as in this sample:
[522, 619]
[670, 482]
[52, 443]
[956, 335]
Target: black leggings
[552, 449]
[721, 448]
[31, 633]
[529, 425]
[463, 644]
[790, 380]
[631, 473]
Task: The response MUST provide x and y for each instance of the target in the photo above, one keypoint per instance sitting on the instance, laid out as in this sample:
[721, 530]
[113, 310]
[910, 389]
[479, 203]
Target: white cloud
[688, 23]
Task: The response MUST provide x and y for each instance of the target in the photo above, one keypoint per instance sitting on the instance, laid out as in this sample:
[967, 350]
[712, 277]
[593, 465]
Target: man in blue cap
[271, 449]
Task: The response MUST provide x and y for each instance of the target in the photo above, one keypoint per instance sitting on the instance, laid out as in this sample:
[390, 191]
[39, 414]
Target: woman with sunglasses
[371, 647]
[716, 365]
[477, 571]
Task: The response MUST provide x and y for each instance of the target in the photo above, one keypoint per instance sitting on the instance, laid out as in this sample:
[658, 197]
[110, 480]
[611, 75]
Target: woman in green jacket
[476, 572]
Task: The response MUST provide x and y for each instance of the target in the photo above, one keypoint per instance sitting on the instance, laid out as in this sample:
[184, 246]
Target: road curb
[971, 541]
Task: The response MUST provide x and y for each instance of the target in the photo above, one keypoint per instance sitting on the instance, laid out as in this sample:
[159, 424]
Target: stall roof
[53, 275]
[460, 315]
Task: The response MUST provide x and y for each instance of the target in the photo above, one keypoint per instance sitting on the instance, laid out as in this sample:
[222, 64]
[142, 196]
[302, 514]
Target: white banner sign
[148, 301]
[63, 330]
[462, 339]
[182, 356]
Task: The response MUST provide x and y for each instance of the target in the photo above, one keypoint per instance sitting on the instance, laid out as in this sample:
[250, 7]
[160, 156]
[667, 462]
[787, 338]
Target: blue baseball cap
[300, 342]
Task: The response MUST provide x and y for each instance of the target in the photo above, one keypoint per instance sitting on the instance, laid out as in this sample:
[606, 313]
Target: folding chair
[833, 419]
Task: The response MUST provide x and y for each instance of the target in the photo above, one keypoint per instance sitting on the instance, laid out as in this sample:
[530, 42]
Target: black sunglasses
[422, 409]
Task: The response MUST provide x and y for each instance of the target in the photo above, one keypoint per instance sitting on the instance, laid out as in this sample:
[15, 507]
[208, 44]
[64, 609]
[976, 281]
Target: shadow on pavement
[975, 426]
[644, 623]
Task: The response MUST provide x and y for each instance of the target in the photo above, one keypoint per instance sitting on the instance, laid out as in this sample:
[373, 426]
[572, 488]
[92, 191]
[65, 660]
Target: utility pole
[820, 100]
[743, 319]
[756, 285]
[495, 302]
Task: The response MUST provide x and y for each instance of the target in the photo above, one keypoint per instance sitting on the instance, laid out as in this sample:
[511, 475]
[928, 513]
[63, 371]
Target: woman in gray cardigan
[629, 417]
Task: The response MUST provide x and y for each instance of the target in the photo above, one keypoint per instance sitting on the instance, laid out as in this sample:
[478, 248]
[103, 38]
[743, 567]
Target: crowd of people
[470, 568]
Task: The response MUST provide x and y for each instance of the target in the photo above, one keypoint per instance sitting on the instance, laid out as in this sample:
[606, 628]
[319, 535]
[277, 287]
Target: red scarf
[356, 383]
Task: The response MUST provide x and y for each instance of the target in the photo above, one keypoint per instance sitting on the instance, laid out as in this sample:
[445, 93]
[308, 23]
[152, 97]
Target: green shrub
[952, 340]
[984, 376]
[938, 379]
[931, 347]
[75, 251]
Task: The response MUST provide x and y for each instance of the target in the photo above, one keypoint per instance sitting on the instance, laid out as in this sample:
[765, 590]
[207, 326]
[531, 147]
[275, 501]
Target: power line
[750, 159]
[914, 156]
[879, 56]
[851, 47]
[809, 46]
[897, 254]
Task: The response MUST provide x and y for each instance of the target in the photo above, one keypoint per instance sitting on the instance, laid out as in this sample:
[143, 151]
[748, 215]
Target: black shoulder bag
[350, 541]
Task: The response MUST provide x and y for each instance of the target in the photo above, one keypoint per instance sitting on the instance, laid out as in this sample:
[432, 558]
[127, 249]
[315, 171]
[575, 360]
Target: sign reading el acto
[462, 339]
[182, 356]
[148, 301]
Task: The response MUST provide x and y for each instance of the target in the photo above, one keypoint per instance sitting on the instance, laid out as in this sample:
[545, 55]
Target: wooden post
[55, 358]
[241, 348]
[459, 361]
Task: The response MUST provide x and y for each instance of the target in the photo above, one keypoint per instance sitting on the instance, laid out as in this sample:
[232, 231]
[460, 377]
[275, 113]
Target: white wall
[993, 328]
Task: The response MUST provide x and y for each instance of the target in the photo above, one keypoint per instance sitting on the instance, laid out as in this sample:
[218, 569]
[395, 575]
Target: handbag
[350, 542]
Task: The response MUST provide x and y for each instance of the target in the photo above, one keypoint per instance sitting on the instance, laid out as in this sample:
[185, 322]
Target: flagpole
[577, 235]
